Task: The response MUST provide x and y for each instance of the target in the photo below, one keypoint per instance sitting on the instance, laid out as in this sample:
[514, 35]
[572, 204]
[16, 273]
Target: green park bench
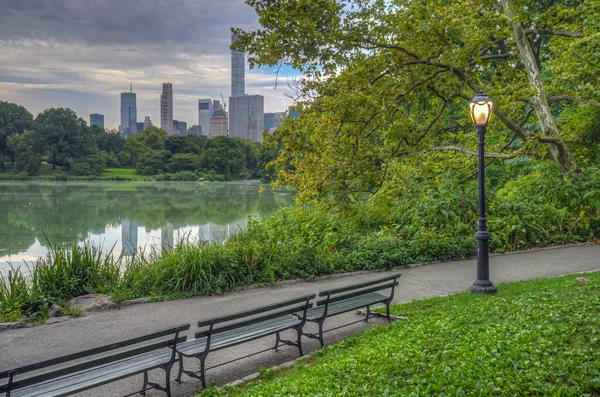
[82, 372]
[215, 334]
[358, 296]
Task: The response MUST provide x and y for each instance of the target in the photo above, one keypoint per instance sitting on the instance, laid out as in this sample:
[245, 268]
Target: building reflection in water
[129, 236]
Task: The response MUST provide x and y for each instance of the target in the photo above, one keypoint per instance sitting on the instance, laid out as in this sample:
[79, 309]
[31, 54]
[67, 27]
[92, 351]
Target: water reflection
[125, 216]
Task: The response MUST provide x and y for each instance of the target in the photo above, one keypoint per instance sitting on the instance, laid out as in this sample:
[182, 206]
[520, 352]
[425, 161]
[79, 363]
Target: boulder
[92, 303]
[582, 280]
[55, 311]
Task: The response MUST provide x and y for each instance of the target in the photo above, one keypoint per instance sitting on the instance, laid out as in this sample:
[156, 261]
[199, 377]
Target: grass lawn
[123, 173]
[538, 337]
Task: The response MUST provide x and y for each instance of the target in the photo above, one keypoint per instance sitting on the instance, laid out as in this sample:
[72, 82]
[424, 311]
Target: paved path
[23, 345]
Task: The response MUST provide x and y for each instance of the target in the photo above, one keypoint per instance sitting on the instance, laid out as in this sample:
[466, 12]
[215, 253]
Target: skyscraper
[246, 117]
[166, 108]
[269, 121]
[238, 66]
[205, 112]
[147, 122]
[97, 119]
[218, 123]
[128, 114]
[180, 127]
[140, 127]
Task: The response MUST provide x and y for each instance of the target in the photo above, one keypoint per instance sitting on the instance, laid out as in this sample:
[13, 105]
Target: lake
[125, 215]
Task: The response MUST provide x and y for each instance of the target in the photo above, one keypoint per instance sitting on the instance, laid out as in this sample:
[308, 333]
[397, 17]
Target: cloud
[82, 54]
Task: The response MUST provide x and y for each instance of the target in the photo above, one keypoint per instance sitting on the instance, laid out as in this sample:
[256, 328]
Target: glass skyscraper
[97, 119]
[128, 114]
[238, 66]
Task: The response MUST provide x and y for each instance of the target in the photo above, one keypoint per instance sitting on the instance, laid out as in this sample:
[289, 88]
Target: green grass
[122, 173]
[538, 337]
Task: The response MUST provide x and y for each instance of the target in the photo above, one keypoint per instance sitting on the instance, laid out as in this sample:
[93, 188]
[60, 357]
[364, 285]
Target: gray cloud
[83, 53]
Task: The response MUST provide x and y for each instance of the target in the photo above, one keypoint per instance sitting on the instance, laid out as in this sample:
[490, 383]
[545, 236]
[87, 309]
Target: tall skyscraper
[180, 127]
[238, 66]
[195, 130]
[97, 119]
[166, 108]
[246, 117]
[140, 127]
[128, 114]
[205, 112]
[147, 122]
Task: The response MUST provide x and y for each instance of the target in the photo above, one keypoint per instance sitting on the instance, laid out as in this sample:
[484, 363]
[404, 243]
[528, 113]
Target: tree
[387, 80]
[26, 150]
[14, 119]
[63, 134]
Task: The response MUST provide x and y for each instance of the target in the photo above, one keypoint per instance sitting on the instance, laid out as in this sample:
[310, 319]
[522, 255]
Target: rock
[7, 326]
[135, 301]
[55, 311]
[92, 303]
[57, 320]
[582, 280]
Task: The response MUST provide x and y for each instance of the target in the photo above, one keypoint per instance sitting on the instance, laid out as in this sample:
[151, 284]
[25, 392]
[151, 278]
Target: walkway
[23, 345]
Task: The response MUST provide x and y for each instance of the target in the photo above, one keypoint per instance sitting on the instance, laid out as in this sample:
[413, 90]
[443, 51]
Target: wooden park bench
[76, 372]
[215, 334]
[353, 297]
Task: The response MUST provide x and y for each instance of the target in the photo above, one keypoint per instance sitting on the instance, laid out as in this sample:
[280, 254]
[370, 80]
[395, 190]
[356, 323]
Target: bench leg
[368, 314]
[387, 312]
[299, 341]
[143, 392]
[168, 381]
[277, 340]
[202, 376]
[321, 335]
[178, 380]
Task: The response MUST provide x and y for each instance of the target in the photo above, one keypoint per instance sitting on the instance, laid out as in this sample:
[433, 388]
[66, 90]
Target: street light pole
[481, 108]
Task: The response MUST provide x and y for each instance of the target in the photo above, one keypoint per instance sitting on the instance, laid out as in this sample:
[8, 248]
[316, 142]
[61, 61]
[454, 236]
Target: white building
[246, 117]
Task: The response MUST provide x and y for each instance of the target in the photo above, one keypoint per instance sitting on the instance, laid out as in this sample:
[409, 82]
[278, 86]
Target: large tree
[26, 149]
[385, 80]
[64, 134]
[14, 119]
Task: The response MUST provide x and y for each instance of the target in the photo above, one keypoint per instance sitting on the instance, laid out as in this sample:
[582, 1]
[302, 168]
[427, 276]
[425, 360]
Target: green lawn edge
[535, 337]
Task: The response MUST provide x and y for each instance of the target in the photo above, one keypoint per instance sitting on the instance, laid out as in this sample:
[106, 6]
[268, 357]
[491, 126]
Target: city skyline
[65, 54]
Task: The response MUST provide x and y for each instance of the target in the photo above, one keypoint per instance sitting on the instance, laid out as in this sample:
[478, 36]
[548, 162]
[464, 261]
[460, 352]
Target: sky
[82, 54]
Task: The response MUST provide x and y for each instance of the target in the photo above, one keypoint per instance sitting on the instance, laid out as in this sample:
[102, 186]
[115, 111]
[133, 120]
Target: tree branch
[555, 98]
[554, 32]
[464, 150]
[498, 56]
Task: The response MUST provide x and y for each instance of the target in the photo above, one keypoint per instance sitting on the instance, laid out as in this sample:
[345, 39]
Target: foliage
[530, 205]
[64, 134]
[537, 337]
[64, 274]
[386, 83]
[92, 164]
[25, 148]
[14, 119]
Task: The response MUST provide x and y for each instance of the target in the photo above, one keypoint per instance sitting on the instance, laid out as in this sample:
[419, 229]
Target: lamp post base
[483, 287]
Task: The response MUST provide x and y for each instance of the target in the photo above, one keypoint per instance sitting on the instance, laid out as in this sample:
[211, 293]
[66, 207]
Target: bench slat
[20, 369]
[356, 293]
[358, 286]
[86, 379]
[251, 312]
[252, 321]
[346, 305]
[94, 363]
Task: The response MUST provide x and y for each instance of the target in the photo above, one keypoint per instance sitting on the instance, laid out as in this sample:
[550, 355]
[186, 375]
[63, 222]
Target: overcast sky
[82, 54]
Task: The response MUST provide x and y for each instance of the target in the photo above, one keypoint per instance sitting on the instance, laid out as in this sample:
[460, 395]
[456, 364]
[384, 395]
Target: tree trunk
[558, 150]
[53, 161]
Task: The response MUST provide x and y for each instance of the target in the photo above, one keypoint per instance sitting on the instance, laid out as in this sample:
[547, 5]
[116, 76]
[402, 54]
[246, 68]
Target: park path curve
[24, 345]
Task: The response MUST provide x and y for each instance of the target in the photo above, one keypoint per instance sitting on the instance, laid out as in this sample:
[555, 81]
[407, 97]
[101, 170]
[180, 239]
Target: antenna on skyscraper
[130, 87]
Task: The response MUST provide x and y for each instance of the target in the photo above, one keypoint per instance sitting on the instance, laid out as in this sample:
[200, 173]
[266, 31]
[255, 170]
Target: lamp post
[481, 107]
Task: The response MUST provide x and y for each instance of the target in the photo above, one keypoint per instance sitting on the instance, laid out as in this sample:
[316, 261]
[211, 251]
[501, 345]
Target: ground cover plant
[537, 337]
